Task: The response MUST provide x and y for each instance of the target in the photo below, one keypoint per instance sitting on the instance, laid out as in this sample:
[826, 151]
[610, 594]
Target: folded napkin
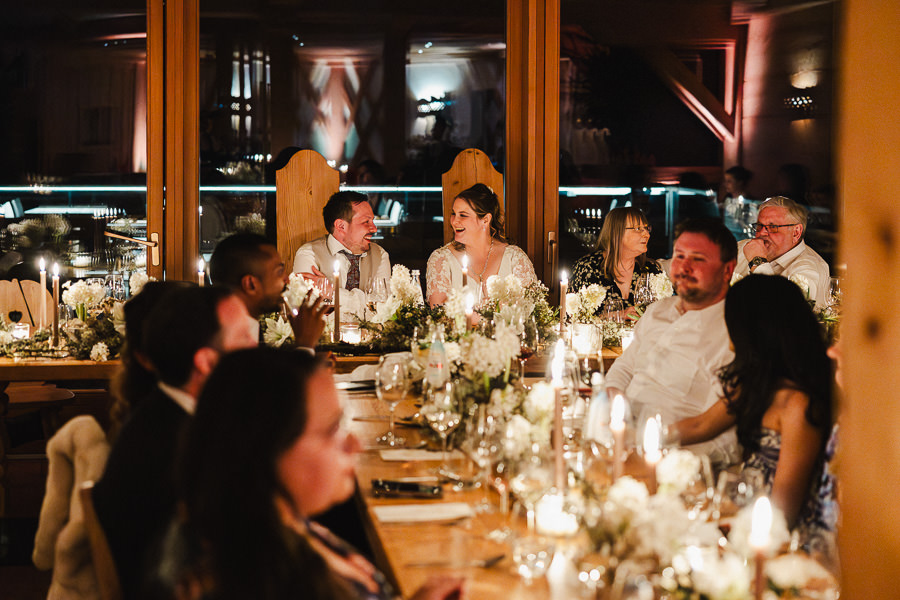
[409, 454]
[416, 513]
[360, 373]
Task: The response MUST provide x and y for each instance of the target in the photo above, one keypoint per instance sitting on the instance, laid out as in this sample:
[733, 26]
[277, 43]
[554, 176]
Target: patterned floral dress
[587, 271]
[817, 521]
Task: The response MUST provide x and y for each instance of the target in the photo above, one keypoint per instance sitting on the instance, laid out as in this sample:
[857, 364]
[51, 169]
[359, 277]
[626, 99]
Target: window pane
[388, 97]
[72, 134]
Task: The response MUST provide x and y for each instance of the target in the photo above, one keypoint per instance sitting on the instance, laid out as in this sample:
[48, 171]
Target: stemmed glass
[530, 339]
[834, 292]
[642, 293]
[325, 287]
[442, 413]
[531, 478]
[483, 446]
[376, 292]
[391, 385]
[532, 555]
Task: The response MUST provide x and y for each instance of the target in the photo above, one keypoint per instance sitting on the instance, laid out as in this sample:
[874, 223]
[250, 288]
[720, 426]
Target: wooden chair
[471, 166]
[302, 188]
[25, 297]
[104, 566]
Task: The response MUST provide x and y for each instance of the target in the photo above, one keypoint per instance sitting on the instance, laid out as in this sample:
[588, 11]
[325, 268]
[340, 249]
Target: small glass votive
[350, 333]
[627, 338]
[21, 331]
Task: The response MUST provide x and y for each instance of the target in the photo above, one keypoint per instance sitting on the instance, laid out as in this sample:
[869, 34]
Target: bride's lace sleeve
[437, 272]
[521, 266]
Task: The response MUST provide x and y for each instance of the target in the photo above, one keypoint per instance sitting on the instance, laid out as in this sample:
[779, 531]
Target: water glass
[835, 294]
[532, 555]
[442, 413]
[391, 386]
[530, 479]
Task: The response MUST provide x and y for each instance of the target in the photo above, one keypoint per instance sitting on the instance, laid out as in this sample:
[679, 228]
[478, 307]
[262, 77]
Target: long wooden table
[397, 545]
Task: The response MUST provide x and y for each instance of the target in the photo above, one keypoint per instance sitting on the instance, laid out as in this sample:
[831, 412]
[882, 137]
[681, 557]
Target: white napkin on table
[403, 513]
[360, 373]
[409, 454]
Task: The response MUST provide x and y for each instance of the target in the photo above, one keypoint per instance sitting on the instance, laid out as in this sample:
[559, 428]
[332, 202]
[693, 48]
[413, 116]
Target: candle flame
[617, 413]
[470, 303]
[56, 269]
[564, 277]
[761, 526]
[43, 264]
[651, 441]
[337, 267]
[465, 262]
[201, 266]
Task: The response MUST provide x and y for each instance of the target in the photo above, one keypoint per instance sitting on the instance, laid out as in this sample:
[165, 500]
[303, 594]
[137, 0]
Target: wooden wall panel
[869, 135]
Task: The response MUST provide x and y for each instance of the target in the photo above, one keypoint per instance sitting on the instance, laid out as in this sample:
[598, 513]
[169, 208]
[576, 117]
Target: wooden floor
[25, 483]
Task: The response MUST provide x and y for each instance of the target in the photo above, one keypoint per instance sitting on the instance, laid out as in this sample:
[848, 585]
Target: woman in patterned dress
[778, 393]
[620, 258]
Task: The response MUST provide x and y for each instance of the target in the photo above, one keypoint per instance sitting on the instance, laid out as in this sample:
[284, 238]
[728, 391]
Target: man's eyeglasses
[760, 227]
[641, 229]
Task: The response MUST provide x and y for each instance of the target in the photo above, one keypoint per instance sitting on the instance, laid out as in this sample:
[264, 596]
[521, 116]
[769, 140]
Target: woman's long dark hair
[252, 409]
[777, 344]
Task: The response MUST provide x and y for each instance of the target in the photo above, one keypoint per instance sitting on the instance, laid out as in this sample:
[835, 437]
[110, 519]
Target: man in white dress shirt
[779, 249]
[681, 342]
[351, 224]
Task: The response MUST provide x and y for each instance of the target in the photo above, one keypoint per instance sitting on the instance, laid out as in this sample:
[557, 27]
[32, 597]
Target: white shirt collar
[180, 397]
[788, 257]
[335, 247]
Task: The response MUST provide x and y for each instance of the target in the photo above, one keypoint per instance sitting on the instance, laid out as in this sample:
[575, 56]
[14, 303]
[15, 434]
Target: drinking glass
[834, 292]
[391, 385]
[642, 293]
[613, 316]
[325, 287]
[483, 445]
[532, 555]
[442, 413]
[530, 339]
[376, 292]
[531, 477]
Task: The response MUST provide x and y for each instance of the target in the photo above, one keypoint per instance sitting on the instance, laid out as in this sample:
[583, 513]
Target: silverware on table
[483, 563]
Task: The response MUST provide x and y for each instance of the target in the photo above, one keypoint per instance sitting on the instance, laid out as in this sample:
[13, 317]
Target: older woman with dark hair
[478, 236]
[250, 486]
[777, 391]
[621, 256]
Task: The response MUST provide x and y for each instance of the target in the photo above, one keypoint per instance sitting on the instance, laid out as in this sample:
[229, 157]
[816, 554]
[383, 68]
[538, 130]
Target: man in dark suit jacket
[135, 499]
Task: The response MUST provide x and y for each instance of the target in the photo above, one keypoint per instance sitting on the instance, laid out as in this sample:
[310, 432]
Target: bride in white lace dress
[477, 235]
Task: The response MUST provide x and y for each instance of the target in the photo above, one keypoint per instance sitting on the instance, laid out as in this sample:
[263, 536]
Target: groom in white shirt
[351, 224]
[681, 342]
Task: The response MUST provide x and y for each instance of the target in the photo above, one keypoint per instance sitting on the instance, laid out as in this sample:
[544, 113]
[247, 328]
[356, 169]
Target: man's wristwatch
[758, 260]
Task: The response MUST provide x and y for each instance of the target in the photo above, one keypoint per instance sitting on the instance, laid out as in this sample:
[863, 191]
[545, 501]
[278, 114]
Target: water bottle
[417, 282]
[438, 370]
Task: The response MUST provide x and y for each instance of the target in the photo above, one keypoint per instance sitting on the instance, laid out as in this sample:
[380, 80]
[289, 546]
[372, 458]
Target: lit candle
[556, 370]
[563, 287]
[465, 269]
[55, 335]
[652, 453]
[336, 337]
[627, 338]
[617, 426]
[201, 273]
[43, 266]
[470, 309]
[760, 533]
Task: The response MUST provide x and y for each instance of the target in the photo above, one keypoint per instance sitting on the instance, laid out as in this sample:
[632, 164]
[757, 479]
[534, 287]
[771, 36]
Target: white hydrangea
[137, 281]
[100, 352]
[660, 285]
[481, 355]
[518, 436]
[81, 292]
[403, 288]
[801, 282]
[661, 529]
[278, 331]
[677, 469]
[298, 288]
[505, 290]
[797, 571]
[722, 578]
[540, 402]
[628, 493]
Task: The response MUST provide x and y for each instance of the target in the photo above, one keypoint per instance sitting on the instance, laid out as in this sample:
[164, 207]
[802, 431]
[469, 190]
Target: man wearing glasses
[778, 249]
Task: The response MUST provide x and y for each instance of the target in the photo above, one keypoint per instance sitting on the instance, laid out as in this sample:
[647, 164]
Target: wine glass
[530, 339]
[325, 287]
[834, 292]
[532, 555]
[531, 478]
[642, 293]
[483, 445]
[442, 414]
[376, 292]
[391, 385]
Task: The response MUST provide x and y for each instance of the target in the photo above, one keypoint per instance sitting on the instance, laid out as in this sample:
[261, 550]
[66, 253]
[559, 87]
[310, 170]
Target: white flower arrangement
[659, 530]
[81, 292]
[507, 406]
[797, 571]
[278, 331]
[660, 285]
[100, 352]
[801, 282]
[539, 403]
[582, 306]
[509, 291]
[739, 536]
[404, 292]
[723, 577]
[6, 336]
[485, 356]
[137, 281]
[677, 469]
[298, 290]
